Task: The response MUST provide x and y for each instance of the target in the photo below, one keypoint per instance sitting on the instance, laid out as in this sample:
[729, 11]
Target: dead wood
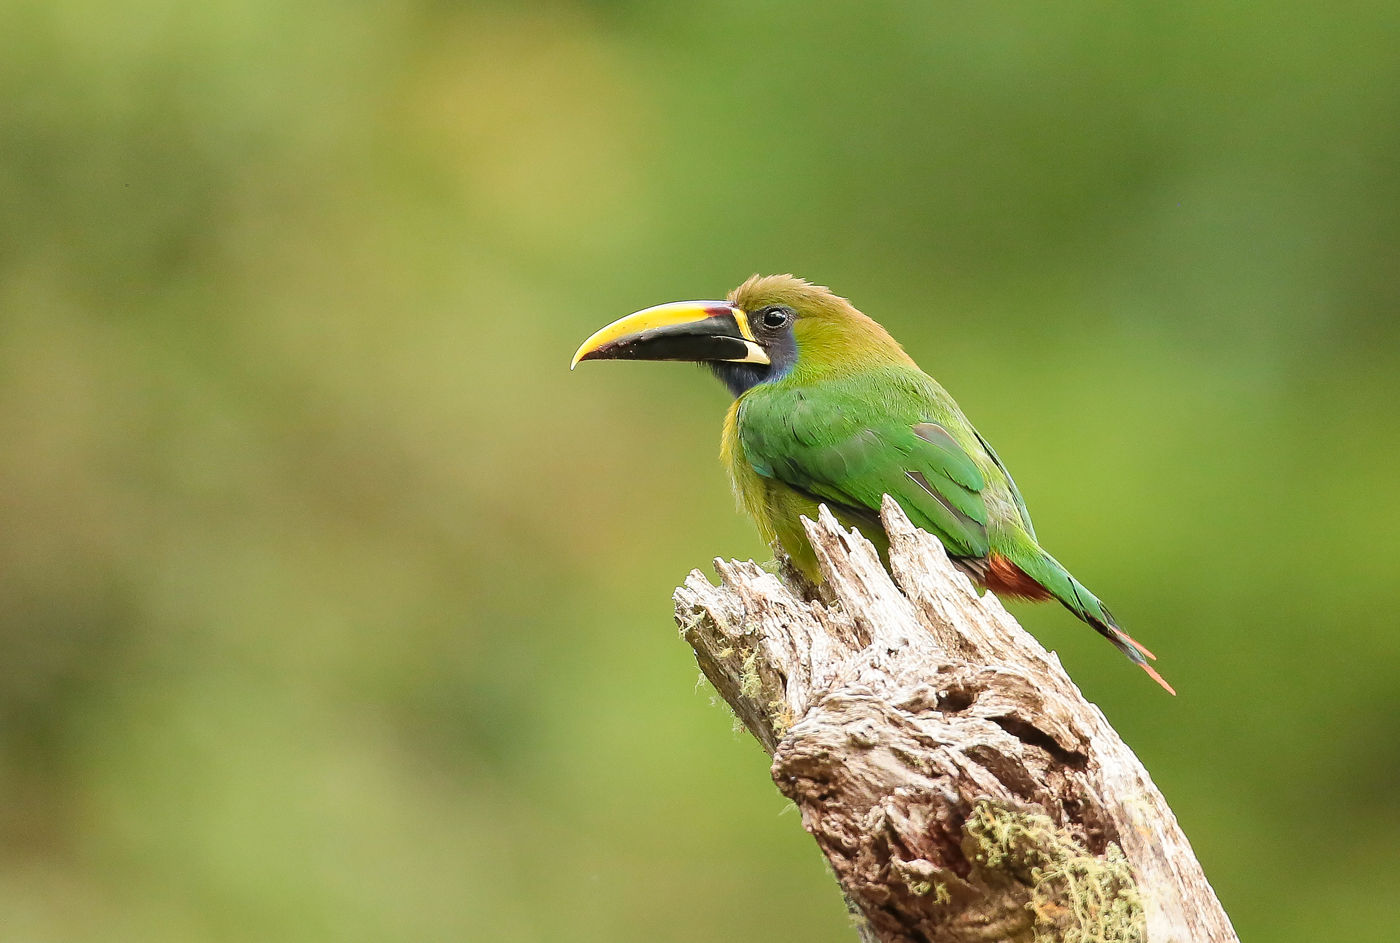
[958, 782]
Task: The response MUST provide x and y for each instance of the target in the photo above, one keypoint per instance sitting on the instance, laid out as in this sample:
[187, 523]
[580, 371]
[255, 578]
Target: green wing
[1010, 485]
[824, 441]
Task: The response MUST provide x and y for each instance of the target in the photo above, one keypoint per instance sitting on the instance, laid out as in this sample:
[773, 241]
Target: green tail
[1075, 596]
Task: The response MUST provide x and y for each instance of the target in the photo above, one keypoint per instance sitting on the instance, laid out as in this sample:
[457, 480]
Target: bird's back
[842, 426]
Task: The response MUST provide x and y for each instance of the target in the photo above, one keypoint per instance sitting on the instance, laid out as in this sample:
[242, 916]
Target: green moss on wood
[1075, 896]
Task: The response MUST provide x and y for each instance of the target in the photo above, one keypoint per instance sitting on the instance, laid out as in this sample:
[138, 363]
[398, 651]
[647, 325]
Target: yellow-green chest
[776, 508]
[750, 488]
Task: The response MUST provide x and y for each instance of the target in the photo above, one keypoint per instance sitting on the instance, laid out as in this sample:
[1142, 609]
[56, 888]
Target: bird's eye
[775, 317]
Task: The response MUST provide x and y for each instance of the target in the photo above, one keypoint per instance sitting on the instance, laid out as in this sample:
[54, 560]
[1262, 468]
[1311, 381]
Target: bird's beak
[682, 330]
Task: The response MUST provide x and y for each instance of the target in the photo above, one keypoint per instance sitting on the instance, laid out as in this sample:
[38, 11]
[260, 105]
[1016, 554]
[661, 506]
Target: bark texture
[956, 779]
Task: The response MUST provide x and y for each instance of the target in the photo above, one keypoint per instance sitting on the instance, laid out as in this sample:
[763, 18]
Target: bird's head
[768, 327]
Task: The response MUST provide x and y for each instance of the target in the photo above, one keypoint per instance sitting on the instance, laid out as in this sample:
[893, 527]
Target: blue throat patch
[742, 377]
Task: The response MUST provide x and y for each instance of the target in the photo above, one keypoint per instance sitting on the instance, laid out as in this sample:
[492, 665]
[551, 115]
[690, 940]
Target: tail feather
[1075, 597]
[1125, 643]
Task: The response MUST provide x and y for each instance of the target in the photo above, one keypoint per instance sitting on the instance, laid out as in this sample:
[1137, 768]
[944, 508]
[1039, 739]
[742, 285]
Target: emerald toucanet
[829, 409]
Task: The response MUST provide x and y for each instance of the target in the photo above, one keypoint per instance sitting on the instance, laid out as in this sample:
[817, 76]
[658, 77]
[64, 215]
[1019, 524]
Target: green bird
[829, 409]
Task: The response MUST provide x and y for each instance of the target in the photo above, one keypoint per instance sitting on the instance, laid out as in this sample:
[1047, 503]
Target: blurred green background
[333, 607]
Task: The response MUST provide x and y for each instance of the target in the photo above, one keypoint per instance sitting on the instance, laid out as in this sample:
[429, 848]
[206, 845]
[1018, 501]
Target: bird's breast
[747, 484]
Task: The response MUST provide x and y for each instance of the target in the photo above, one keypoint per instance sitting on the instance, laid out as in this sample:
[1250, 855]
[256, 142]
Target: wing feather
[824, 442]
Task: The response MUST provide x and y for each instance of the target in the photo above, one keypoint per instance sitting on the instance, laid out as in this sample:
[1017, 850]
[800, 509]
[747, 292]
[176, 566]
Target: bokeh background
[333, 607]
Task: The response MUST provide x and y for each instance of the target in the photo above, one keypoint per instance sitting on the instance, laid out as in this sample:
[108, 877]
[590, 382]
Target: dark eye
[775, 317]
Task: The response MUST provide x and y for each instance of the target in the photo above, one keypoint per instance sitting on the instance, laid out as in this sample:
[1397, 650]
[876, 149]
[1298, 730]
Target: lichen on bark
[1075, 896]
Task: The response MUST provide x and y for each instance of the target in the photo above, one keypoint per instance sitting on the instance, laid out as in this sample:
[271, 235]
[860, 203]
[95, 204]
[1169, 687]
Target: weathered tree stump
[958, 782]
